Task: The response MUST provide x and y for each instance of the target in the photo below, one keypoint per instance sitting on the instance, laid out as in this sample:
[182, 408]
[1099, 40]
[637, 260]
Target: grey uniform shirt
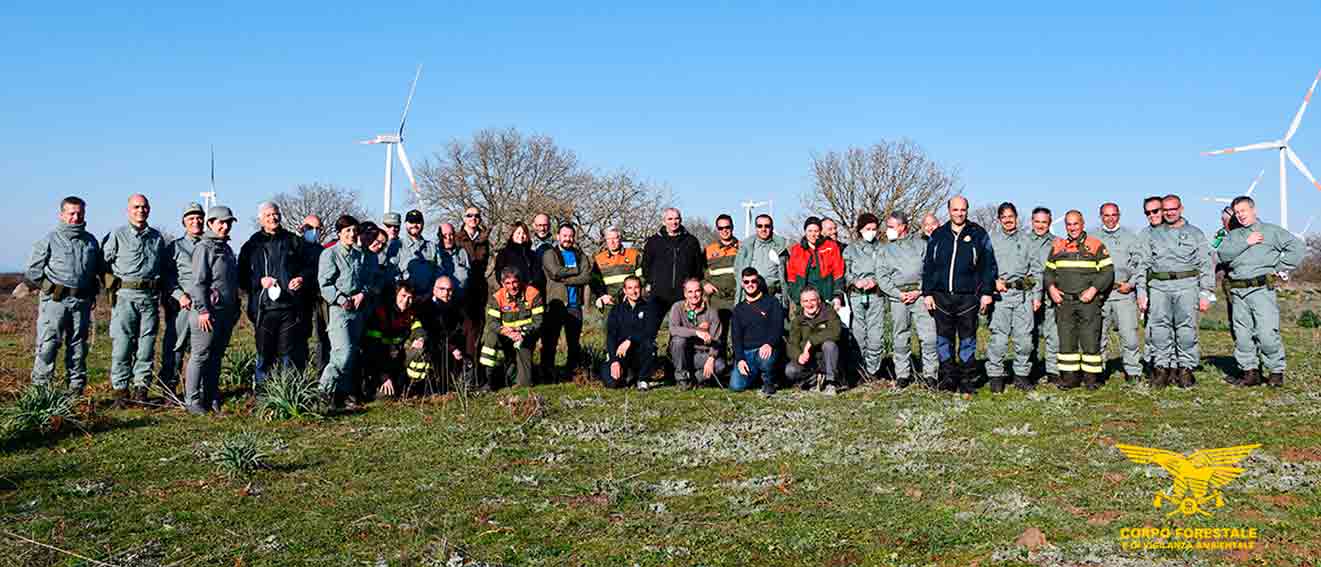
[1180, 249]
[862, 259]
[1280, 251]
[132, 254]
[215, 275]
[768, 257]
[180, 251]
[343, 272]
[1125, 251]
[901, 264]
[68, 256]
[416, 262]
[1018, 257]
[454, 263]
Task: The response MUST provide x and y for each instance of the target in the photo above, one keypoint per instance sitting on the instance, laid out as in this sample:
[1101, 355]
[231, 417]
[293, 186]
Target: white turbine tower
[748, 207]
[1230, 200]
[397, 139]
[209, 197]
[1282, 145]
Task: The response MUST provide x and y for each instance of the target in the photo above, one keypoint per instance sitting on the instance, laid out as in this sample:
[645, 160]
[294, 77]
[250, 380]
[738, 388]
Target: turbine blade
[1293, 127]
[1255, 182]
[1298, 163]
[213, 170]
[1258, 146]
[411, 88]
[408, 168]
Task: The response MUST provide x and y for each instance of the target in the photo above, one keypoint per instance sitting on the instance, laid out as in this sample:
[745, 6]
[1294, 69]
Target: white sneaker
[829, 390]
[643, 385]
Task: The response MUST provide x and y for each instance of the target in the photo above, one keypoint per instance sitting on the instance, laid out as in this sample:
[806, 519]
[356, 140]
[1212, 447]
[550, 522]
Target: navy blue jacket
[760, 322]
[637, 323]
[962, 265]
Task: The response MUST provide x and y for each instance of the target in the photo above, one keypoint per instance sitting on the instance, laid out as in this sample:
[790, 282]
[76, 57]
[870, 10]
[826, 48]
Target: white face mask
[273, 292]
[891, 234]
[869, 235]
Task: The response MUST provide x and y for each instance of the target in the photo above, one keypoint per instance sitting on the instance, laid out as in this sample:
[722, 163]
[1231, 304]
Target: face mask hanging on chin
[273, 292]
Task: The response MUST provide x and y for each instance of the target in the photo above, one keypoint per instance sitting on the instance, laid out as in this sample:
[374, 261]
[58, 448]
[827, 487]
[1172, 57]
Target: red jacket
[821, 267]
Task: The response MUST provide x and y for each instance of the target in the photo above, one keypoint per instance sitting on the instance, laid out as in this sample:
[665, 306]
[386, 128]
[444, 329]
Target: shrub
[238, 368]
[1309, 320]
[289, 394]
[239, 455]
[41, 409]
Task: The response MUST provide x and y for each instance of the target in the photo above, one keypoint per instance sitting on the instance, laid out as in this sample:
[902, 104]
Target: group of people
[395, 313]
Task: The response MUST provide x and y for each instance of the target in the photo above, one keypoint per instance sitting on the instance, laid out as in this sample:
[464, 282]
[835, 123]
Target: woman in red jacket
[817, 261]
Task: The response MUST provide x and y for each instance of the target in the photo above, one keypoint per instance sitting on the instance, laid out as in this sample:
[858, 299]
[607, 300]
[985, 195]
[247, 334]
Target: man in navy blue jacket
[755, 334]
[958, 278]
[630, 339]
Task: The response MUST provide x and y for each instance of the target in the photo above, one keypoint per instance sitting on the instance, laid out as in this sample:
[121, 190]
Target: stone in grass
[1031, 539]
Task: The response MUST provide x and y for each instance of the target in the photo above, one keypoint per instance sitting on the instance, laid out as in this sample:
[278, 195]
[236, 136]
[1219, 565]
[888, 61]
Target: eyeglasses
[764, 226]
[472, 215]
[1153, 211]
[1172, 209]
[727, 227]
[749, 282]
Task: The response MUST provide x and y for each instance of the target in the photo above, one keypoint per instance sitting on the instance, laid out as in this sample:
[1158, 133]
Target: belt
[137, 284]
[59, 291]
[910, 287]
[1020, 285]
[1259, 281]
[1167, 276]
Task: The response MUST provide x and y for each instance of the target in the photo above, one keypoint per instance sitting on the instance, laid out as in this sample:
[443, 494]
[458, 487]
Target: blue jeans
[762, 369]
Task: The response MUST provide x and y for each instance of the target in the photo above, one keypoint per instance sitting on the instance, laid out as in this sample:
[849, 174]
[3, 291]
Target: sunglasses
[727, 227]
[1153, 212]
[472, 216]
[764, 226]
[749, 282]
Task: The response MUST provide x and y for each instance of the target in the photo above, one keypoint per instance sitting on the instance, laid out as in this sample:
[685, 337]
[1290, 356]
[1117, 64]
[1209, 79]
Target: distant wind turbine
[1230, 200]
[397, 139]
[1303, 234]
[209, 197]
[748, 207]
[1285, 153]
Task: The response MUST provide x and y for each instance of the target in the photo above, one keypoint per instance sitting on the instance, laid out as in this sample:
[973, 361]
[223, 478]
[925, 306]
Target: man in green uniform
[768, 253]
[1151, 207]
[513, 319]
[867, 302]
[1180, 283]
[1121, 307]
[900, 280]
[719, 282]
[611, 266]
[1078, 272]
[415, 258]
[1017, 298]
[134, 258]
[1256, 252]
[65, 265]
[179, 304]
[1046, 330]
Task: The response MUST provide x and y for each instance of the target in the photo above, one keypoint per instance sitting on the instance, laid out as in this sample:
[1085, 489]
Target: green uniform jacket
[1281, 251]
[824, 327]
[863, 260]
[180, 268]
[344, 271]
[415, 261]
[1018, 259]
[1179, 249]
[1123, 246]
[901, 265]
[768, 257]
[134, 255]
[68, 256]
[559, 278]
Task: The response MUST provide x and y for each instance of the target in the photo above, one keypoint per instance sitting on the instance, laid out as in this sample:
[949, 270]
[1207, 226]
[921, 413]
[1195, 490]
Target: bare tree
[324, 200]
[702, 228]
[985, 215]
[1310, 268]
[889, 176]
[511, 177]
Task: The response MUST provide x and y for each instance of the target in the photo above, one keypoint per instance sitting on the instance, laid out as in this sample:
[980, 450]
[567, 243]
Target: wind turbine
[1285, 153]
[209, 197]
[397, 139]
[748, 207]
[1230, 200]
[1303, 234]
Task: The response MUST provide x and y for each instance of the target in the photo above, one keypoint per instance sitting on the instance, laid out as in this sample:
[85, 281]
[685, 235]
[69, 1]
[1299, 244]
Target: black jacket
[965, 264]
[281, 256]
[442, 323]
[668, 260]
[637, 323]
[756, 323]
[524, 259]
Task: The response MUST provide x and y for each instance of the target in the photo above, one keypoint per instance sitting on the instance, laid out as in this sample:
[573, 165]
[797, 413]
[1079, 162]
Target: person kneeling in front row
[755, 332]
[630, 340]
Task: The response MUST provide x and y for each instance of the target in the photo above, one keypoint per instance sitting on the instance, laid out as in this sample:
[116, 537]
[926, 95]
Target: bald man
[135, 256]
[958, 278]
[1079, 274]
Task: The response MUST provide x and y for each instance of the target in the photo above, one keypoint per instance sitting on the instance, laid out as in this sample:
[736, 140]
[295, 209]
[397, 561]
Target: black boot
[997, 384]
[945, 380]
[969, 376]
[1185, 378]
[1091, 380]
[1068, 380]
[1251, 378]
[1276, 379]
[1160, 377]
[1024, 383]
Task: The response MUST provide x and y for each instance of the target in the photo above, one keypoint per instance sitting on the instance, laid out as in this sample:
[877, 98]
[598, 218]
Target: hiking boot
[644, 385]
[338, 400]
[1024, 383]
[1251, 378]
[945, 381]
[139, 394]
[119, 398]
[1052, 378]
[997, 384]
[1185, 378]
[1091, 380]
[1068, 380]
[195, 410]
[1276, 379]
[767, 390]
[217, 405]
[1160, 377]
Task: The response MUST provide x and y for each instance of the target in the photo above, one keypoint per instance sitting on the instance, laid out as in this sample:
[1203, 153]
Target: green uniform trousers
[202, 386]
[345, 330]
[64, 322]
[1048, 332]
[903, 319]
[134, 321]
[1257, 329]
[1172, 322]
[1079, 326]
[1122, 314]
[1011, 318]
[175, 339]
[868, 328]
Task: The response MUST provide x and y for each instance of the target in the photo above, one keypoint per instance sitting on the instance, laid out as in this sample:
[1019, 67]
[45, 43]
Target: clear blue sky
[1059, 104]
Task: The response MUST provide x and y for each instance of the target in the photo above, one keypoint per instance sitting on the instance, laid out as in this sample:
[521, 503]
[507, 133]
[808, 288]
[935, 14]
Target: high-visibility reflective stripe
[486, 362]
[638, 272]
[1050, 265]
[722, 271]
[518, 323]
[612, 280]
[1069, 357]
[538, 310]
[381, 337]
[1090, 368]
[1093, 358]
[1069, 367]
[416, 325]
[490, 351]
[493, 312]
[1087, 264]
[1104, 262]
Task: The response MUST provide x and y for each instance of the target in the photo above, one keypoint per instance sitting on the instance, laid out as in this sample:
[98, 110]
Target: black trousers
[639, 363]
[560, 318]
[956, 325]
[277, 333]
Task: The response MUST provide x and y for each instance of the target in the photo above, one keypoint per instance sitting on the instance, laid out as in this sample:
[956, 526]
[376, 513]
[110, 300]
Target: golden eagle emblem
[1197, 477]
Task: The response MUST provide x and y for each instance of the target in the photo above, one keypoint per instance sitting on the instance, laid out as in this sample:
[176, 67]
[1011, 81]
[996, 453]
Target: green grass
[587, 476]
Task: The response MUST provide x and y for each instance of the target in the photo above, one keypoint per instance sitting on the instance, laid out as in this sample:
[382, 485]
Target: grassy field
[573, 474]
